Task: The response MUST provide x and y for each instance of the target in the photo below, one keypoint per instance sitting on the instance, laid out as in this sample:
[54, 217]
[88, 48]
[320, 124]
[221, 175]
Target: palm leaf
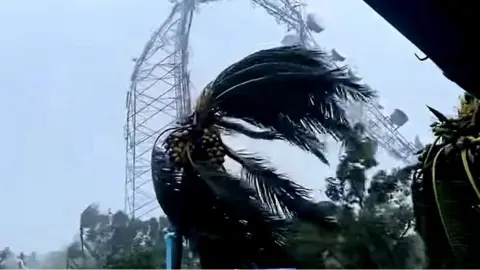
[221, 209]
[440, 116]
[242, 129]
[427, 219]
[299, 137]
[445, 212]
[258, 235]
[291, 54]
[234, 192]
[278, 192]
[451, 211]
[166, 178]
[290, 91]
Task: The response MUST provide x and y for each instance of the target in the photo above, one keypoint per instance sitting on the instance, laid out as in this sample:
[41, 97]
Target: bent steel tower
[158, 96]
[160, 83]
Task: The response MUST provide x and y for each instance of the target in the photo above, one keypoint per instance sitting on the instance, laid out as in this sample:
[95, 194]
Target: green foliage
[106, 241]
[4, 255]
[374, 213]
[114, 241]
[109, 240]
[309, 243]
[135, 259]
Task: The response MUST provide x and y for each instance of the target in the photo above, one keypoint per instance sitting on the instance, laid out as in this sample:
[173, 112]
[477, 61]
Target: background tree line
[106, 240]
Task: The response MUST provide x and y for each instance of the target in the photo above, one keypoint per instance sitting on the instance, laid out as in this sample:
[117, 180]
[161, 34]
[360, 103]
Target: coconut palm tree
[286, 93]
[445, 189]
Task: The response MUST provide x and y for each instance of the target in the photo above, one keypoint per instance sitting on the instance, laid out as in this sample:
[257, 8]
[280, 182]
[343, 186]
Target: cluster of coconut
[212, 145]
[176, 145]
[209, 146]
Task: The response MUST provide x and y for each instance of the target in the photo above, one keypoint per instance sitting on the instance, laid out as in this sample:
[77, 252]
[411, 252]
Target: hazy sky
[65, 69]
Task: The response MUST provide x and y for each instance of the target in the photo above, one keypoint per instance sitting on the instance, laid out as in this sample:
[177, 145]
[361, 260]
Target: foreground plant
[287, 93]
[446, 192]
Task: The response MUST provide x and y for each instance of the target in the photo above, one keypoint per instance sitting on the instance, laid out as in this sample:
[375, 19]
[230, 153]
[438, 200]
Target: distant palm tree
[445, 190]
[287, 93]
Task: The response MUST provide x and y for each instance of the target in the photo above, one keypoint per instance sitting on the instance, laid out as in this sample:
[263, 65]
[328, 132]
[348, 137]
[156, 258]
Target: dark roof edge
[442, 30]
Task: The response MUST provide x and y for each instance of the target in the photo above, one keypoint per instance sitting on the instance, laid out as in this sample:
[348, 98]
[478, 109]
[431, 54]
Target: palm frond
[288, 90]
[299, 137]
[257, 233]
[296, 55]
[445, 212]
[275, 190]
[242, 129]
[165, 179]
[278, 192]
[440, 116]
[214, 210]
[235, 193]
[451, 211]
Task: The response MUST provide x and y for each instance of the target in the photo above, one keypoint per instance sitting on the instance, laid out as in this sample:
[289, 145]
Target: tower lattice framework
[160, 94]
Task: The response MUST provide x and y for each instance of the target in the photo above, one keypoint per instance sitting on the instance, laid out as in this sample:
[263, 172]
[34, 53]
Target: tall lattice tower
[158, 96]
[159, 93]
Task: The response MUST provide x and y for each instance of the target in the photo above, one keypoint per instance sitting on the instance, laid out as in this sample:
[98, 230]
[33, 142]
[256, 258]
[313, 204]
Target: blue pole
[170, 249]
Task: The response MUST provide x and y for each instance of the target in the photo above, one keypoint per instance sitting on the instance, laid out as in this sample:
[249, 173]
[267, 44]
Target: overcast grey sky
[65, 68]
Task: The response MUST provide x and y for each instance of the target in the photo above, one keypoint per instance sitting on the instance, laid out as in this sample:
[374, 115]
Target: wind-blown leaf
[234, 192]
[256, 233]
[298, 137]
[242, 129]
[166, 179]
[440, 116]
[290, 54]
[451, 212]
[163, 171]
[305, 141]
[278, 192]
[290, 91]
[445, 210]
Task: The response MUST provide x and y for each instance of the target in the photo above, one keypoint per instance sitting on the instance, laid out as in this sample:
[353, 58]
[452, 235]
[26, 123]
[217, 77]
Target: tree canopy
[374, 212]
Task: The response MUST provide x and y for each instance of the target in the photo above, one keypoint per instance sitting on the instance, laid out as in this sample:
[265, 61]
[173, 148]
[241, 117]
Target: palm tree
[286, 93]
[445, 190]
